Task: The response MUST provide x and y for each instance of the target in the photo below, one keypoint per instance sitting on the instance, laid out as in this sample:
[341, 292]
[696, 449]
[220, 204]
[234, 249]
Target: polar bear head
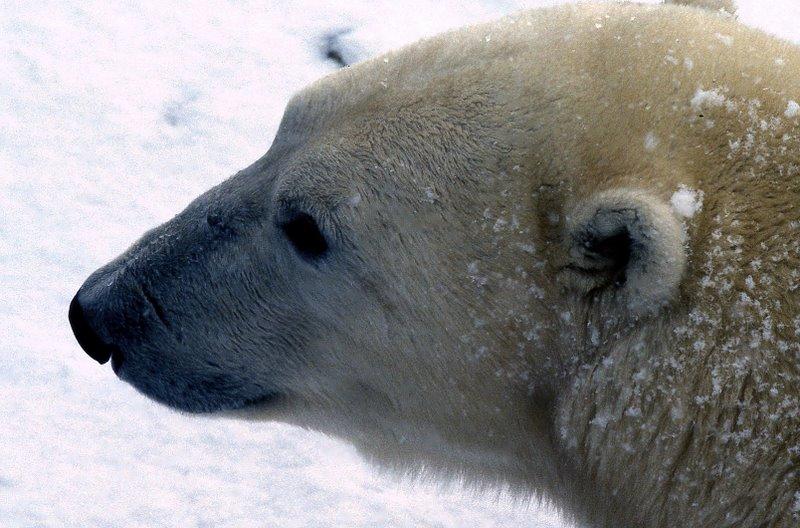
[445, 246]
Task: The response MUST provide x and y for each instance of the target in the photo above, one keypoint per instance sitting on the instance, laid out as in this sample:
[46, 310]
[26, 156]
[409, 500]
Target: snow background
[113, 116]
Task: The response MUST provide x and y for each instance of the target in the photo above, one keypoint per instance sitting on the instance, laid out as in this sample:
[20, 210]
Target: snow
[650, 141]
[725, 39]
[707, 98]
[686, 202]
[113, 116]
[792, 109]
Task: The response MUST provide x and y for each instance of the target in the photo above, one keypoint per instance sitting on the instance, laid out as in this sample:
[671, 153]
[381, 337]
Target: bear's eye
[303, 232]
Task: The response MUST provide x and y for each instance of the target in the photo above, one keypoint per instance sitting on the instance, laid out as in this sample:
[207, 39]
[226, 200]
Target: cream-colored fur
[671, 400]
[560, 251]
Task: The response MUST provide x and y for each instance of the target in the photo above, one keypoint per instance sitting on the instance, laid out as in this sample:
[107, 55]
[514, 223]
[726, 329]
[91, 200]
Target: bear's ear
[625, 244]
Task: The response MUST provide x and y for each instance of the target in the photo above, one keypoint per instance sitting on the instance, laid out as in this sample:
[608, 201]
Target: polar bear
[560, 251]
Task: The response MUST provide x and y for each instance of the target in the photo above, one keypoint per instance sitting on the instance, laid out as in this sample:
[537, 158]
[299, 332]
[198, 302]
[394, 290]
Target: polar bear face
[388, 276]
[396, 270]
[343, 281]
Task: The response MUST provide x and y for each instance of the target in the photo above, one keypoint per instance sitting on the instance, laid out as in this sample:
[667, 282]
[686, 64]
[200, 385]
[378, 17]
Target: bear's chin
[259, 406]
[265, 408]
[196, 400]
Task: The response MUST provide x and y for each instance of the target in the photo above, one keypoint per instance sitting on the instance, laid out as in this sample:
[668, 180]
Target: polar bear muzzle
[183, 317]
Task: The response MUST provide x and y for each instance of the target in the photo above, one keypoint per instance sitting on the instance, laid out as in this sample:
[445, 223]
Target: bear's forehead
[503, 59]
[416, 73]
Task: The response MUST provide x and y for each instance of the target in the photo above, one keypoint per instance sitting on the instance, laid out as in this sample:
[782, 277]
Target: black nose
[90, 342]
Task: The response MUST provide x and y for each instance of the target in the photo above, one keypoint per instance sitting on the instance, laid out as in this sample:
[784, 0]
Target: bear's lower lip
[210, 404]
[267, 399]
[268, 406]
[221, 407]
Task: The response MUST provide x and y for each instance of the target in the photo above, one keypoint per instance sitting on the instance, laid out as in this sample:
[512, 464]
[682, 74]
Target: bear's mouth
[269, 406]
[184, 392]
[216, 404]
[267, 400]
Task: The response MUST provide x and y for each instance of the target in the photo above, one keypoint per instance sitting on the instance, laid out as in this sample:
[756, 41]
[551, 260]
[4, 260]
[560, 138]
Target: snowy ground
[113, 115]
